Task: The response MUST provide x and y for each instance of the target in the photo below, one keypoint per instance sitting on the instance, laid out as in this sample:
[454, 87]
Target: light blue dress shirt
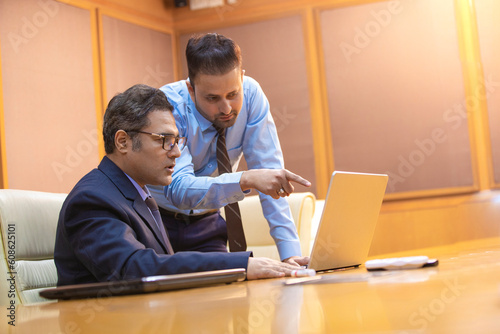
[197, 186]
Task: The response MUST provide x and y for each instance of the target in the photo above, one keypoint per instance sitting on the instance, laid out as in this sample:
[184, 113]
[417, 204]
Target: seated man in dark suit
[107, 228]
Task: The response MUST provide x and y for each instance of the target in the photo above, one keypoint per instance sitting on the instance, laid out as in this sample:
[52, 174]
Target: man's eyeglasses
[169, 141]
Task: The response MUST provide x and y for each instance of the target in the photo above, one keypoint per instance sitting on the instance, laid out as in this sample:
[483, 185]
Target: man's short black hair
[211, 54]
[129, 111]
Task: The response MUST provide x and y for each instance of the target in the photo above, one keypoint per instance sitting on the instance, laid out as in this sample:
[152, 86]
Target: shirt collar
[204, 123]
[144, 192]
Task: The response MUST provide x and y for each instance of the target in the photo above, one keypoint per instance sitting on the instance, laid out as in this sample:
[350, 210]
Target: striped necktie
[235, 233]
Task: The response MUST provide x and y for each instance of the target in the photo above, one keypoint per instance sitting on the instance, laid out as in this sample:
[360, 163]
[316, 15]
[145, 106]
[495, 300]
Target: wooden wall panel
[48, 90]
[396, 93]
[135, 54]
[436, 222]
[274, 54]
[488, 12]
[159, 9]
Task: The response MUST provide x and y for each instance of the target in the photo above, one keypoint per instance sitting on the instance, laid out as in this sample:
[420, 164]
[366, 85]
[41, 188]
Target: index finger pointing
[296, 178]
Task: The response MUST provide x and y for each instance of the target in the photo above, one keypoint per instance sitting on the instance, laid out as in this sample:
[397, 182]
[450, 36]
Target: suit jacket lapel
[142, 209]
[118, 177]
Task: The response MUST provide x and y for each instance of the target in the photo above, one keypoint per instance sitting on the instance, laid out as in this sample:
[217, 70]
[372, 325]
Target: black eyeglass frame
[179, 141]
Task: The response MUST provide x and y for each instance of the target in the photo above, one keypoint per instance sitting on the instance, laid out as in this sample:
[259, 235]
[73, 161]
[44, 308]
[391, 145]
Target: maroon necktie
[235, 233]
[151, 203]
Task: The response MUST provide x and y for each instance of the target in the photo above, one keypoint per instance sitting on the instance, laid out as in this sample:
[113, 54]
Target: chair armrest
[256, 226]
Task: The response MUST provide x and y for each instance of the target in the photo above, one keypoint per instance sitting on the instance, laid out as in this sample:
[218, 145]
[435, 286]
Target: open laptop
[145, 285]
[348, 221]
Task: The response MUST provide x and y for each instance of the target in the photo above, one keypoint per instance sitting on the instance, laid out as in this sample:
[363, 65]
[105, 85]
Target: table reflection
[459, 295]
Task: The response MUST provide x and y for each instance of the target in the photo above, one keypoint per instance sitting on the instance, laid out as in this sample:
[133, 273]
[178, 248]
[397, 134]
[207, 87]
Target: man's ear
[122, 141]
[190, 89]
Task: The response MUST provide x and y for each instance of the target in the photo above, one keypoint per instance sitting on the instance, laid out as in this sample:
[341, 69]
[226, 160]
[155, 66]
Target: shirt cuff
[288, 249]
[232, 189]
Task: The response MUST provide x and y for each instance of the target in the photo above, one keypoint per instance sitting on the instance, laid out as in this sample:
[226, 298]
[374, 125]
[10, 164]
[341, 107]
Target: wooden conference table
[461, 295]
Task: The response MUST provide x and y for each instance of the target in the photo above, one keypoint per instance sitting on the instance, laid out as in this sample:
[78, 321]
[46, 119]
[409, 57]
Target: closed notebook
[145, 285]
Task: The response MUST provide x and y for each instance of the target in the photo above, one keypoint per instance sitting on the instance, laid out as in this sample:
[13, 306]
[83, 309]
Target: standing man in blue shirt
[218, 95]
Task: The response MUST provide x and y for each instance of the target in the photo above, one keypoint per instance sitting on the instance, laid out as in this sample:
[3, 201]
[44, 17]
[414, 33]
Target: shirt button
[210, 165]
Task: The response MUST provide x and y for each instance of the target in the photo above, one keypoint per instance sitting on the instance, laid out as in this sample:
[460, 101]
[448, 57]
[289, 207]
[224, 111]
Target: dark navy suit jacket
[106, 232]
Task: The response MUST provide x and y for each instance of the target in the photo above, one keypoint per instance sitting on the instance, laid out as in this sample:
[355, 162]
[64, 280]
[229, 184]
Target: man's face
[218, 98]
[151, 164]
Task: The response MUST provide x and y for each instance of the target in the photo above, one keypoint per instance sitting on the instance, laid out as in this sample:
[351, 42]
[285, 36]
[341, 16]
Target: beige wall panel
[273, 54]
[488, 21]
[50, 116]
[135, 54]
[396, 93]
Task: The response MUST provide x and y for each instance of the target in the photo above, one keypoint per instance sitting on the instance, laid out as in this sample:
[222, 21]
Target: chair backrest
[256, 226]
[28, 221]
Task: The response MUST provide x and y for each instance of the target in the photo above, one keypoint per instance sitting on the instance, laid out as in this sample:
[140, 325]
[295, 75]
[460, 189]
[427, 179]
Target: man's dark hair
[129, 111]
[211, 54]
